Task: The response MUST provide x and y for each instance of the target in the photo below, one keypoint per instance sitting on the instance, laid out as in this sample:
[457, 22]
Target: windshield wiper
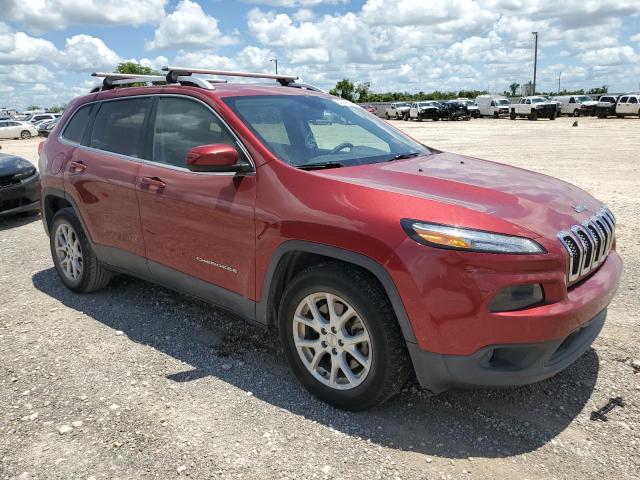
[402, 156]
[319, 166]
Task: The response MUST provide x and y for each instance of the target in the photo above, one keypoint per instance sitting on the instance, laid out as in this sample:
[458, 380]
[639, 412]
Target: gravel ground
[139, 382]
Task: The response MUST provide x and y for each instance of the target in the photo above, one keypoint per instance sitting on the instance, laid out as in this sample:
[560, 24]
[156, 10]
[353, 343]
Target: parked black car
[606, 106]
[45, 127]
[454, 110]
[19, 185]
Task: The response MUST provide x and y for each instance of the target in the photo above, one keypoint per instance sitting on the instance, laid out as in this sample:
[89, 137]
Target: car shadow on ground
[18, 220]
[455, 424]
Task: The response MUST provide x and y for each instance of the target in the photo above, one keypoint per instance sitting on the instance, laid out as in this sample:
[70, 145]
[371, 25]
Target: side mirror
[215, 158]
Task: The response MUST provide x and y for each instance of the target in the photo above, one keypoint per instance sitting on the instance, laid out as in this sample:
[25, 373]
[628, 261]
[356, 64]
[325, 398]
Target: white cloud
[155, 63]
[42, 15]
[87, 53]
[635, 38]
[295, 3]
[24, 74]
[21, 48]
[189, 27]
[613, 56]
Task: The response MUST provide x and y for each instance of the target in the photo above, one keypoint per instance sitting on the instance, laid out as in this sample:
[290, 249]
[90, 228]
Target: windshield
[584, 98]
[538, 100]
[308, 130]
[503, 101]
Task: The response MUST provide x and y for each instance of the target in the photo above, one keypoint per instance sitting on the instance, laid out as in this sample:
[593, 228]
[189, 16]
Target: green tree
[344, 88]
[136, 68]
[33, 107]
[56, 109]
[599, 90]
[362, 90]
[514, 88]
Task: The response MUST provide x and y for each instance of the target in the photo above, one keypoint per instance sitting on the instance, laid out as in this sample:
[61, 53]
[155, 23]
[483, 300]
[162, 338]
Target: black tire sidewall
[360, 396]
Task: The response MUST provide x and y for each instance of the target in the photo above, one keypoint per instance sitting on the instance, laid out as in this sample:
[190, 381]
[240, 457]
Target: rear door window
[182, 124]
[119, 126]
[633, 100]
[76, 126]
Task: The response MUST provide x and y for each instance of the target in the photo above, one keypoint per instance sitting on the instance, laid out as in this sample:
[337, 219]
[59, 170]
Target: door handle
[153, 184]
[77, 167]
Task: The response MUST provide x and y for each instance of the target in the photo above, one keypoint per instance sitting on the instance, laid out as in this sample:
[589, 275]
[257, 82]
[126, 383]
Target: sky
[48, 48]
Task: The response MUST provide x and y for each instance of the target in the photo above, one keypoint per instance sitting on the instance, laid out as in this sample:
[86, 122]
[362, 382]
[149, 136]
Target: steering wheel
[342, 146]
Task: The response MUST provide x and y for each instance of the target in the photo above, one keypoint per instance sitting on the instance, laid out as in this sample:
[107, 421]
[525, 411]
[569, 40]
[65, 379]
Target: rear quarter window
[76, 126]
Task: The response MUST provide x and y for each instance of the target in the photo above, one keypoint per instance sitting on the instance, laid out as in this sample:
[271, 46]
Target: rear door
[101, 173]
[197, 224]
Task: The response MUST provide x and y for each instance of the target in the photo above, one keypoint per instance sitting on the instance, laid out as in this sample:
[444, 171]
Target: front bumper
[504, 365]
[22, 197]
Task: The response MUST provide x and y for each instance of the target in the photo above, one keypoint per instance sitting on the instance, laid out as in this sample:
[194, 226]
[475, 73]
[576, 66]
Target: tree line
[361, 93]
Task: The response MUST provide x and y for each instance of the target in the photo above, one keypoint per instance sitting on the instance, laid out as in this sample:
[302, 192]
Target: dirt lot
[139, 382]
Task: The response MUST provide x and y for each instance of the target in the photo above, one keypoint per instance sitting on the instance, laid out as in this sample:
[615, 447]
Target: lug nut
[323, 331]
[333, 330]
[324, 344]
[334, 351]
[341, 343]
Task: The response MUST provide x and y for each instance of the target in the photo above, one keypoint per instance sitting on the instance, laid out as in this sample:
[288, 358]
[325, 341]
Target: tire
[533, 116]
[576, 113]
[638, 113]
[436, 118]
[552, 116]
[91, 275]
[397, 116]
[496, 115]
[386, 352]
[512, 115]
[25, 135]
[387, 115]
[419, 118]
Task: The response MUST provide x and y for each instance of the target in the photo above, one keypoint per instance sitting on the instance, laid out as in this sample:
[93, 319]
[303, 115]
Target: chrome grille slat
[588, 244]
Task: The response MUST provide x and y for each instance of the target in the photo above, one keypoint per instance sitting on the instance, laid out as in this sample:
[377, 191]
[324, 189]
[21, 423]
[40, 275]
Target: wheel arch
[53, 200]
[294, 256]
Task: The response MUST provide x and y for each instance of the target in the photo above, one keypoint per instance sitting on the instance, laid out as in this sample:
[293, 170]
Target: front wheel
[512, 115]
[25, 135]
[73, 257]
[576, 113]
[387, 115]
[341, 337]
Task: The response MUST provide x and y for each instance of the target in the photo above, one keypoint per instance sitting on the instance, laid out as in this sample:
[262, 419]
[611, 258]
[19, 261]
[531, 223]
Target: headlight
[24, 175]
[456, 238]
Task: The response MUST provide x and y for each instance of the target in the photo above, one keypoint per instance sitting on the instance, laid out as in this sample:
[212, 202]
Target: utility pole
[535, 62]
[559, 77]
[275, 61]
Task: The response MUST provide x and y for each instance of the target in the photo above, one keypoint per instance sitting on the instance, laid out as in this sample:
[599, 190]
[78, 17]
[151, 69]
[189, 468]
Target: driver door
[197, 224]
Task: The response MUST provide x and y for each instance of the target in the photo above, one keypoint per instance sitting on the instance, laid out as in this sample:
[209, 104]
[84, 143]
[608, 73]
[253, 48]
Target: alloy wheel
[69, 251]
[332, 341]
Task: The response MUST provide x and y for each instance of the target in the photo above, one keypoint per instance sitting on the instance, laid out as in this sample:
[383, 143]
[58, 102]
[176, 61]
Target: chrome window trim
[63, 140]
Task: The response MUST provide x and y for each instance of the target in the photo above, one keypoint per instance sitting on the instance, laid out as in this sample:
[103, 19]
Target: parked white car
[397, 110]
[422, 110]
[14, 129]
[493, 105]
[576, 105]
[44, 116]
[628, 104]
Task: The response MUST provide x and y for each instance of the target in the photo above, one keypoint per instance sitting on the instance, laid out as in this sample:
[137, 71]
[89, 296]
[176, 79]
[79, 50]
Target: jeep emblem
[580, 208]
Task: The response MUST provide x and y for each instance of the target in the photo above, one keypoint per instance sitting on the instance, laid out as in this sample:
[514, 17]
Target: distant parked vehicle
[454, 110]
[628, 105]
[44, 116]
[370, 109]
[556, 103]
[606, 106]
[473, 109]
[14, 129]
[493, 105]
[397, 110]
[533, 108]
[424, 110]
[577, 105]
[45, 128]
[19, 185]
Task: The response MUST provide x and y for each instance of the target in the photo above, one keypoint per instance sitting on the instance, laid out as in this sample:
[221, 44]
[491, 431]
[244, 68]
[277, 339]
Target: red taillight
[40, 147]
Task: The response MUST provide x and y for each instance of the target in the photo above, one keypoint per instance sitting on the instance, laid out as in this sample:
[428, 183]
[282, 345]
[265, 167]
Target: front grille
[589, 243]
[8, 181]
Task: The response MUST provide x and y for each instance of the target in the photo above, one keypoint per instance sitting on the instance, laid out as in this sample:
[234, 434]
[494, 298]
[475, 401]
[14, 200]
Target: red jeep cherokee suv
[371, 253]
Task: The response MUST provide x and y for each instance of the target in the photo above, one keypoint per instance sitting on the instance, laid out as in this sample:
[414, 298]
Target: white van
[576, 105]
[628, 104]
[493, 105]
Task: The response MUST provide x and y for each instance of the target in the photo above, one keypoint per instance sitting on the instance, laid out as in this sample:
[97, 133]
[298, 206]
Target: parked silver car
[15, 129]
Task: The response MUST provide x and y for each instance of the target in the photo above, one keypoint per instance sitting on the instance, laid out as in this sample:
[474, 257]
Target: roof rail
[113, 79]
[174, 72]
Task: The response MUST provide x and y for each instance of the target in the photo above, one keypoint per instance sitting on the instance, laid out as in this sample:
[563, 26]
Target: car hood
[532, 201]
[591, 103]
[10, 165]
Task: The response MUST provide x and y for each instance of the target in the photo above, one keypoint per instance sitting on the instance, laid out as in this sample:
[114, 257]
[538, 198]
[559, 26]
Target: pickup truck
[397, 110]
[533, 108]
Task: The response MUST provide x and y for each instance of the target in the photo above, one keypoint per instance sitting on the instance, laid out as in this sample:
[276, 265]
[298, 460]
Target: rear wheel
[73, 258]
[496, 115]
[512, 115]
[387, 115]
[341, 338]
[576, 113]
[533, 115]
[25, 135]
